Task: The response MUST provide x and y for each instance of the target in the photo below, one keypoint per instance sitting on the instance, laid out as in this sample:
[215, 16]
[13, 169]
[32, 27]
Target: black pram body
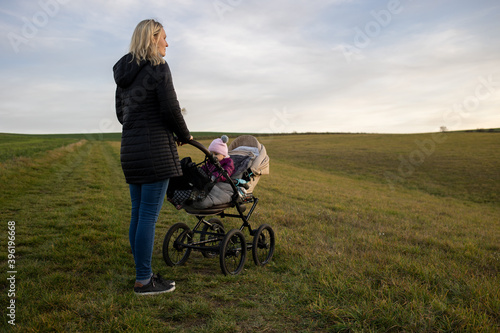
[198, 189]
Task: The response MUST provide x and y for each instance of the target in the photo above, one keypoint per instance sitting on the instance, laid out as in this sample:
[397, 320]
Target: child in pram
[218, 147]
[219, 190]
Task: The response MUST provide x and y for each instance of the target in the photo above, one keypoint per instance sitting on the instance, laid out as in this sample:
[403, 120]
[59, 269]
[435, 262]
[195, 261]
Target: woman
[147, 107]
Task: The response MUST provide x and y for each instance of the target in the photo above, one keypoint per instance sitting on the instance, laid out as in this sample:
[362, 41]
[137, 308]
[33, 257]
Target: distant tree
[443, 129]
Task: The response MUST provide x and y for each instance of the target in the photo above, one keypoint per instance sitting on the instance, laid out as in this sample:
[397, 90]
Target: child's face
[219, 156]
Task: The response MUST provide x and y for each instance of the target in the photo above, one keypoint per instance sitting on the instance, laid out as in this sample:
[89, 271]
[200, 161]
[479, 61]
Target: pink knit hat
[219, 146]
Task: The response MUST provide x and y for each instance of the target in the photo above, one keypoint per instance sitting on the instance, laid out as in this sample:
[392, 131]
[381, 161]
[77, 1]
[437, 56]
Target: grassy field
[375, 233]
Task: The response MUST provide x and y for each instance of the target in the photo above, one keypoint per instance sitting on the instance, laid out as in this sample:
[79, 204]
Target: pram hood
[248, 145]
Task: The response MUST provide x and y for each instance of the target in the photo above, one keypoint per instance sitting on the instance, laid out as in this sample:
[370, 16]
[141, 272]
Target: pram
[209, 236]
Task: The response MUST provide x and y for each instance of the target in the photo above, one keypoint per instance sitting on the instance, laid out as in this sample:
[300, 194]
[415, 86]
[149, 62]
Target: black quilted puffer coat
[147, 107]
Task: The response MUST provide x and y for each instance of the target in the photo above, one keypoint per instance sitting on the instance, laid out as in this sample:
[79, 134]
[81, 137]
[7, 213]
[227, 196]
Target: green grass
[14, 146]
[460, 165]
[355, 251]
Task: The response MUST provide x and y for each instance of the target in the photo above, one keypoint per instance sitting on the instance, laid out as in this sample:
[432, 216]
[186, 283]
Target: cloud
[252, 66]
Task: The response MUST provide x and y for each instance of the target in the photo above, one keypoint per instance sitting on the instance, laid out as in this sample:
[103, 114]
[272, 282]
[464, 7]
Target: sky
[276, 66]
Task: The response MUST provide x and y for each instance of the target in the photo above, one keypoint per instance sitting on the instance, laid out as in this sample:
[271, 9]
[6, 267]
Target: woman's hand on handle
[179, 143]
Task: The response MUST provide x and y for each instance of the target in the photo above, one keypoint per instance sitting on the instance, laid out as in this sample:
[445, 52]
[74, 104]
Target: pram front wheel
[213, 231]
[233, 252]
[175, 252]
[263, 245]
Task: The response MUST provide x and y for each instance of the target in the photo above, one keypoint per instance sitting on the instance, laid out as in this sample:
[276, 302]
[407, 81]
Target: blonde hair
[143, 45]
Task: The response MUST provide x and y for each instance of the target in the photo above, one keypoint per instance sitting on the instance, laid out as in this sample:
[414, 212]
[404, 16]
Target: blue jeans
[147, 200]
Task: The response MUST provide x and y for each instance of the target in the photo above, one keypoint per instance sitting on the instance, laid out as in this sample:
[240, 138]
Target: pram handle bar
[201, 147]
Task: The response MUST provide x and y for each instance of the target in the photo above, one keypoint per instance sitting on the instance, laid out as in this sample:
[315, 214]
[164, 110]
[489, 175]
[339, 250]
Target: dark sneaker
[156, 286]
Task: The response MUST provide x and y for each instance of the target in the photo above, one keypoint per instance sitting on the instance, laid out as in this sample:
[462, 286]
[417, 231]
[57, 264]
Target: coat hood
[126, 69]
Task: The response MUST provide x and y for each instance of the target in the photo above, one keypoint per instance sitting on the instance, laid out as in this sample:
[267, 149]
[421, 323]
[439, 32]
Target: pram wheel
[233, 252]
[263, 245]
[174, 251]
[214, 226]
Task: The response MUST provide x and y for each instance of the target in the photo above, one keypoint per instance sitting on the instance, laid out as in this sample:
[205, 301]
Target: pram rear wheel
[174, 251]
[233, 252]
[214, 226]
[263, 245]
